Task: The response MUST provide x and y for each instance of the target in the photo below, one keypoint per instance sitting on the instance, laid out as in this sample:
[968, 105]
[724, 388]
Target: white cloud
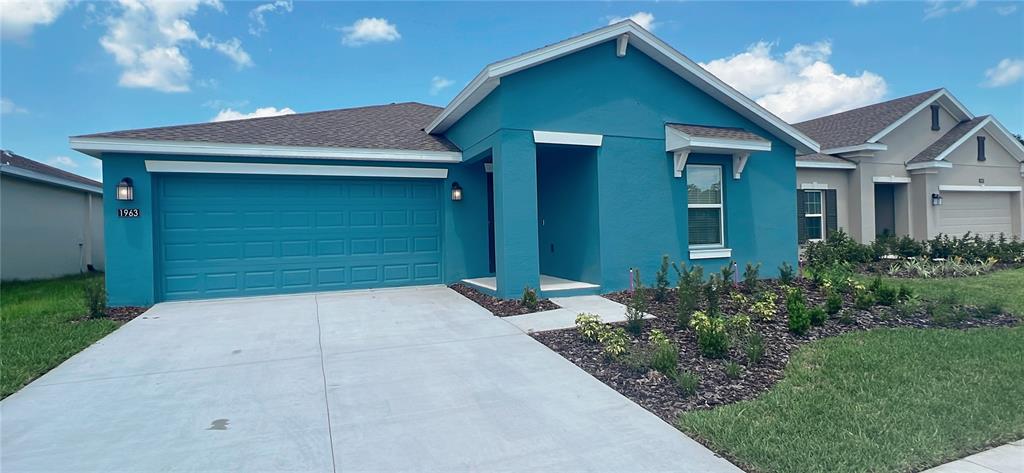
[7, 106]
[147, 37]
[860, 3]
[231, 114]
[438, 83]
[800, 84]
[1004, 10]
[642, 18]
[369, 30]
[258, 24]
[941, 8]
[19, 17]
[1006, 72]
[62, 162]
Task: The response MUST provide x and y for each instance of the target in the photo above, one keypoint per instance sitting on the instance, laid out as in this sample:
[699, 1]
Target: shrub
[589, 327]
[738, 326]
[799, 319]
[838, 248]
[687, 382]
[637, 361]
[945, 314]
[846, 317]
[875, 285]
[733, 370]
[887, 295]
[908, 307]
[712, 336]
[615, 342]
[817, 315]
[786, 273]
[712, 294]
[955, 266]
[664, 354]
[687, 292]
[904, 292]
[833, 303]
[991, 309]
[661, 280]
[637, 306]
[795, 299]
[754, 348]
[529, 298]
[728, 272]
[95, 292]
[751, 276]
[764, 307]
[863, 300]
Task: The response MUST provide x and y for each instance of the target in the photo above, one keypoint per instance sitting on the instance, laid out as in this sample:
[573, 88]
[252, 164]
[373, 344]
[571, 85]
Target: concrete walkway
[415, 379]
[1008, 458]
[608, 310]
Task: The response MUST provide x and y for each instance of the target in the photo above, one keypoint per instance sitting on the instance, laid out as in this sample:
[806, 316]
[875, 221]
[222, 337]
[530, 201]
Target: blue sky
[69, 68]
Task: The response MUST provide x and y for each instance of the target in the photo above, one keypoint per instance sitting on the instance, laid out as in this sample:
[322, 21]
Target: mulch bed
[118, 314]
[502, 307]
[660, 395]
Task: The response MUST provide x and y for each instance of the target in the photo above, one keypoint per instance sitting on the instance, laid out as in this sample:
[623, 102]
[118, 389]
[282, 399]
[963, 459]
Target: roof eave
[959, 110]
[48, 179]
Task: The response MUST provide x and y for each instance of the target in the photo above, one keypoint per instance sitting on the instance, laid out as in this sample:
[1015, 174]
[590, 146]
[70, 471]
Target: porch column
[862, 203]
[516, 253]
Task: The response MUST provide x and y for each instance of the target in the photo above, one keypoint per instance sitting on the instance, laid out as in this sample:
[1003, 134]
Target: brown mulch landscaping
[502, 307]
[125, 313]
[660, 394]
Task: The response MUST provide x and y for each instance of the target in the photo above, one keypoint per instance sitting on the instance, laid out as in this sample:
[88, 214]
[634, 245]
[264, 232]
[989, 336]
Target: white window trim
[890, 180]
[208, 167]
[710, 253]
[721, 213]
[565, 138]
[821, 216]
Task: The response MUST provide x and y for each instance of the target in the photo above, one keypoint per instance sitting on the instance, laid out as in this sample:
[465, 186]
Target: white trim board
[710, 253]
[952, 188]
[642, 40]
[206, 167]
[890, 180]
[96, 146]
[822, 165]
[813, 186]
[564, 138]
[929, 164]
[861, 147]
[48, 179]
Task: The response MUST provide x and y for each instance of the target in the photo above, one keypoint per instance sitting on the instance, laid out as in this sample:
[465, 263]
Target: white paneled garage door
[983, 213]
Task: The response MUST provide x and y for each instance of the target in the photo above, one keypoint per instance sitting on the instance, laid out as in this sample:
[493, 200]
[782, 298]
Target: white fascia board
[861, 147]
[97, 146]
[646, 43]
[677, 140]
[956, 144]
[48, 179]
[209, 167]
[813, 186]
[929, 164]
[821, 165]
[958, 110]
[890, 180]
[952, 188]
[563, 138]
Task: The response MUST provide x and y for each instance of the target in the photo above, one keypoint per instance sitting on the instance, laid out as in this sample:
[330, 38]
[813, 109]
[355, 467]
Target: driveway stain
[219, 424]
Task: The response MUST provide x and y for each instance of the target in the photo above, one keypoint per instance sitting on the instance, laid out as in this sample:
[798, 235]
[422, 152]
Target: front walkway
[1008, 458]
[415, 379]
[557, 319]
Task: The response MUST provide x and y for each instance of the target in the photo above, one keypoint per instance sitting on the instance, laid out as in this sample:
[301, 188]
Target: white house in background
[51, 221]
[919, 165]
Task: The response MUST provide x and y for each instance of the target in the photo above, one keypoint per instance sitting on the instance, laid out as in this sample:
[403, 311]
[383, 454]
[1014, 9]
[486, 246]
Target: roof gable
[640, 39]
[9, 159]
[963, 131]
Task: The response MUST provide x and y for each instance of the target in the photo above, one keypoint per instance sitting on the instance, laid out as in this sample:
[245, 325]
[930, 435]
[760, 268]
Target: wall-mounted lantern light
[125, 190]
[456, 191]
[936, 200]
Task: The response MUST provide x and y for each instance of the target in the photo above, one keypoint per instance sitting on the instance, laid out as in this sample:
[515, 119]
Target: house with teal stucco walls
[560, 169]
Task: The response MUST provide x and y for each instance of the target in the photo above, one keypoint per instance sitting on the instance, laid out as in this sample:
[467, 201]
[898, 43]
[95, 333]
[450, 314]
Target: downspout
[88, 232]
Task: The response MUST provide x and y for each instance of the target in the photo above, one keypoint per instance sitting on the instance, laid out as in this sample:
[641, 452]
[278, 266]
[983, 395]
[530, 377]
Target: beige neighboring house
[919, 165]
[51, 221]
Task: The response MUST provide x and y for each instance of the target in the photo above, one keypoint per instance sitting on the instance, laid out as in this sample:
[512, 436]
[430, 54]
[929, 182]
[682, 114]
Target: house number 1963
[128, 213]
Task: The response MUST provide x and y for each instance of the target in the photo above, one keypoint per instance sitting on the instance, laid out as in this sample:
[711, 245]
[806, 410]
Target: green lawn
[41, 325]
[1005, 287]
[882, 400]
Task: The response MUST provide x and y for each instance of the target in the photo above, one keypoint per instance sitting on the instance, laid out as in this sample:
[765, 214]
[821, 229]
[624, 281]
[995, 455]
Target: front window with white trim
[814, 215]
[704, 206]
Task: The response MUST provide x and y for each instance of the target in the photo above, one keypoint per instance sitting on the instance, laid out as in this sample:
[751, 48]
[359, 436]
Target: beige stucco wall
[45, 230]
[837, 179]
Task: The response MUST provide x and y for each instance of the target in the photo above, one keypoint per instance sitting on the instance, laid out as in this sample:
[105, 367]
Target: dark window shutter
[935, 117]
[801, 224]
[831, 220]
[981, 148]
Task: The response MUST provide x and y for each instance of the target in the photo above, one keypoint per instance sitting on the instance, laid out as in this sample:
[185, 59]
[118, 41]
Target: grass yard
[1005, 287]
[882, 400]
[41, 325]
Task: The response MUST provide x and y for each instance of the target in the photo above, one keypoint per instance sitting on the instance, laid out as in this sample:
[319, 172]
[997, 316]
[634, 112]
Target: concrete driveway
[389, 380]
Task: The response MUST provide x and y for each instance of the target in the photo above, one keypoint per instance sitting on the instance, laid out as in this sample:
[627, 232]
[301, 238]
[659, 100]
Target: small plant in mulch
[687, 382]
[615, 342]
[728, 273]
[664, 353]
[796, 306]
[661, 280]
[502, 307]
[764, 308]
[833, 302]
[590, 327]
[817, 315]
[751, 277]
[95, 292]
[863, 300]
[754, 348]
[786, 273]
[529, 298]
[733, 370]
[637, 306]
[712, 335]
[688, 290]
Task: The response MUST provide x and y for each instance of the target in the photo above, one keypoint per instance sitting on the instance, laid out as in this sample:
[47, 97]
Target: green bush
[833, 302]
[817, 315]
[764, 307]
[615, 342]
[529, 298]
[688, 291]
[661, 280]
[590, 328]
[728, 271]
[905, 292]
[908, 307]
[733, 370]
[945, 314]
[712, 335]
[95, 292]
[754, 348]
[838, 248]
[799, 318]
[887, 295]
[846, 317]
[752, 276]
[786, 273]
[687, 382]
[713, 290]
[991, 309]
[637, 306]
[664, 353]
[864, 300]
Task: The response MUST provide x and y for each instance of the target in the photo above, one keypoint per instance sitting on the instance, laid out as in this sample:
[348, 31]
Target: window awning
[681, 140]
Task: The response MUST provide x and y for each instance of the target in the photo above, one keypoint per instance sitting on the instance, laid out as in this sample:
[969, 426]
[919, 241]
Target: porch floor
[547, 283]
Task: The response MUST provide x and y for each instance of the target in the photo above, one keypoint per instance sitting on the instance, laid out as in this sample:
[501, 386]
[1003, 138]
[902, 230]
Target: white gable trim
[956, 144]
[850, 149]
[209, 167]
[563, 138]
[642, 40]
[97, 146]
[823, 165]
[950, 103]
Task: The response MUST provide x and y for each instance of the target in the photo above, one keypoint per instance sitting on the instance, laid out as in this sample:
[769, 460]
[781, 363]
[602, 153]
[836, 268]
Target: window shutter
[831, 220]
[801, 224]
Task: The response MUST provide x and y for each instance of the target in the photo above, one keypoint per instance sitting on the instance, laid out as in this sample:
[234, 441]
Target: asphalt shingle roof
[394, 126]
[855, 127]
[947, 140]
[823, 158]
[716, 132]
[9, 158]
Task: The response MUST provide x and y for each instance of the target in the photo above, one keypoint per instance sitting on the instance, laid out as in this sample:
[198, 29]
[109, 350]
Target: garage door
[227, 235]
[983, 213]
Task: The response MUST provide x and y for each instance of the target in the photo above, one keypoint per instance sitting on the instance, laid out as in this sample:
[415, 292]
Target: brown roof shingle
[9, 158]
[854, 127]
[947, 140]
[716, 132]
[394, 126]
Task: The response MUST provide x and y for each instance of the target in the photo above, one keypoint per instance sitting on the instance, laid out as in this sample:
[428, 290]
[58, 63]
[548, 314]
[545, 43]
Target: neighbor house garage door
[229, 235]
[983, 213]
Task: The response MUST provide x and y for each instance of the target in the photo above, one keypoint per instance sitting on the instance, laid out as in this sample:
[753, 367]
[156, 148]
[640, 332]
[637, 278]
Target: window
[704, 206]
[935, 117]
[981, 148]
[814, 215]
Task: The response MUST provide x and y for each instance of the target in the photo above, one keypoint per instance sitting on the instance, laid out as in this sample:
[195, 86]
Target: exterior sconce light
[936, 200]
[125, 189]
[456, 191]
